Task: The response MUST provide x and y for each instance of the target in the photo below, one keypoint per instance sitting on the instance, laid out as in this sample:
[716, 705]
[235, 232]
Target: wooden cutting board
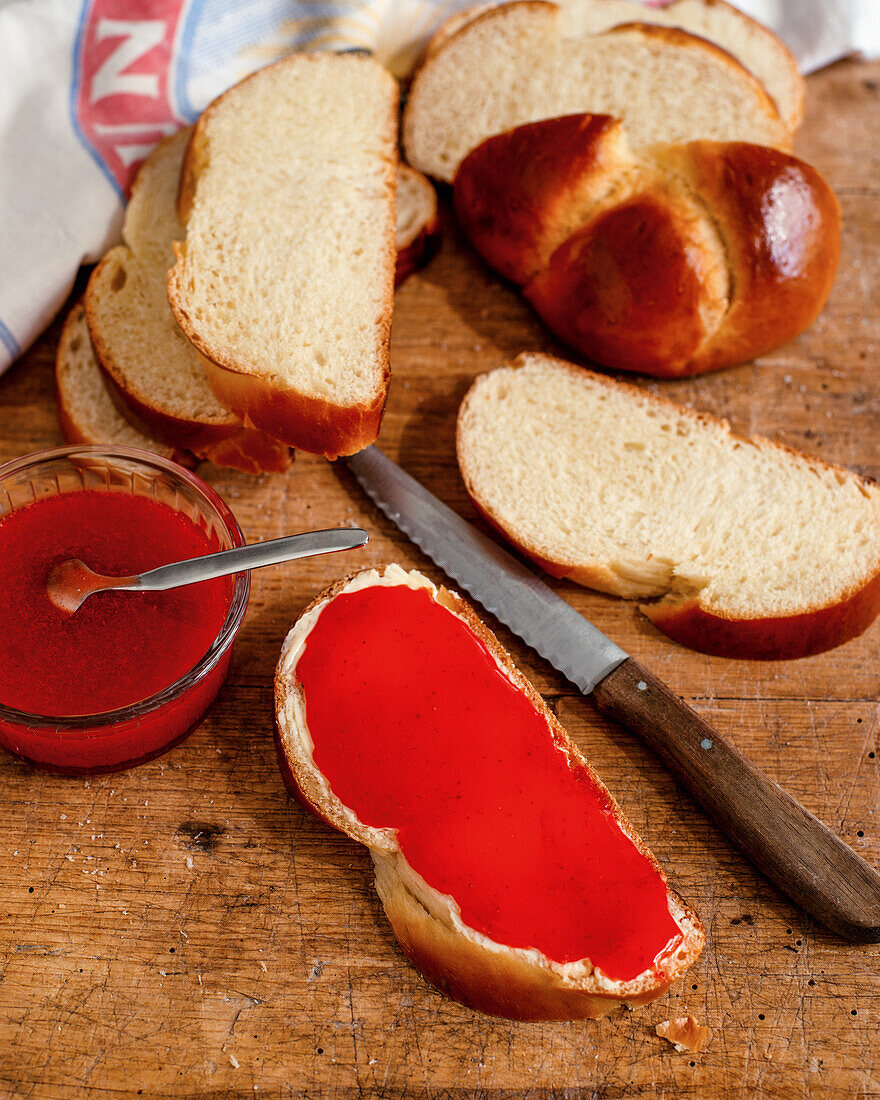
[184, 929]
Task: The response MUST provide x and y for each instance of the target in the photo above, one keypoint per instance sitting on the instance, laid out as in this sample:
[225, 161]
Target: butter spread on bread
[751, 549]
[507, 871]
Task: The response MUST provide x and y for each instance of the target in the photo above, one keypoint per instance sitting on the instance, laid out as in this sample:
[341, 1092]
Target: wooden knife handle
[791, 846]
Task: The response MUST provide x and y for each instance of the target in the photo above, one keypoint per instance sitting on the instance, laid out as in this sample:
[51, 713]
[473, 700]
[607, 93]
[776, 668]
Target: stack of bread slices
[634, 179]
[249, 309]
[631, 176]
[266, 239]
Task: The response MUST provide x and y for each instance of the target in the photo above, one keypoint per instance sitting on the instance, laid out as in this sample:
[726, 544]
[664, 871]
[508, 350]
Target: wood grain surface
[185, 930]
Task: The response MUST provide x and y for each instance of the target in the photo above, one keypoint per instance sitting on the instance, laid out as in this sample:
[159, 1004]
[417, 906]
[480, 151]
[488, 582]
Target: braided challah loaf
[675, 261]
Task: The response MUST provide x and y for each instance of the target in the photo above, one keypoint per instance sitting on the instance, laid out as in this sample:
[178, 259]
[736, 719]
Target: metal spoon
[71, 582]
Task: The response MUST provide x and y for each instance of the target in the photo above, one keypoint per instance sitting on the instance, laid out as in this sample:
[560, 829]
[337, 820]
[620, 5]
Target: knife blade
[792, 847]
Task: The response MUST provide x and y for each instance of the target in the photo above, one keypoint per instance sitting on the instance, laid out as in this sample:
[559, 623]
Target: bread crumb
[685, 1034]
[235, 1062]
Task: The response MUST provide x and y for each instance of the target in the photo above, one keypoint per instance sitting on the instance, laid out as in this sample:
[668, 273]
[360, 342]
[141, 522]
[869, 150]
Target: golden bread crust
[295, 418]
[503, 983]
[416, 244]
[80, 421]
[691, 620]
[685, 259]
[777, 638]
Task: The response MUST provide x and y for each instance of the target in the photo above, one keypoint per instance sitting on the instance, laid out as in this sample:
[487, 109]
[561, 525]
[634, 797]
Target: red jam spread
[416, 729]
[118, 648]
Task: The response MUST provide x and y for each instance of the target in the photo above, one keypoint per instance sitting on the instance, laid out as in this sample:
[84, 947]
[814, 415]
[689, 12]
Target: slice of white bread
[285, 280]
[753, 549]
[517, 64]
[756, 47]
[85, 407]
[426, 708]
[418, 224]
[154, 370]
[762, 52]
[92, 412]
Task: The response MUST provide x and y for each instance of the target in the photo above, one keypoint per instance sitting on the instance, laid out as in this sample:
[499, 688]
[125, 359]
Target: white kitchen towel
[87, 88]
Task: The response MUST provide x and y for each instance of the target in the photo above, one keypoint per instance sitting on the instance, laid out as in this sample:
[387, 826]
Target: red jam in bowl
[127, 675]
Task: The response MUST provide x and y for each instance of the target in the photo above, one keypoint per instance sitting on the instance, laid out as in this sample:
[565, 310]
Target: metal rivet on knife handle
[785, 841]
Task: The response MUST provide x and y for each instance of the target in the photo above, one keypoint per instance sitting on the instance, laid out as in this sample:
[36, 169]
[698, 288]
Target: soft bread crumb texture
[288, 260]
[639, 497]
[685, 1033]
[87, 411]
[416, 204]
[138, 340]
[753, 45]
[514, 65]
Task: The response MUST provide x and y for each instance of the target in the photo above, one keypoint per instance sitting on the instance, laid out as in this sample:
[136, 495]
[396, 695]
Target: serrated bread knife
[791, 846]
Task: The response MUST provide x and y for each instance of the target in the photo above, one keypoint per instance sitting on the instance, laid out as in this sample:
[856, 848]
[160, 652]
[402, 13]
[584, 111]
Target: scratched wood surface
[185, 930]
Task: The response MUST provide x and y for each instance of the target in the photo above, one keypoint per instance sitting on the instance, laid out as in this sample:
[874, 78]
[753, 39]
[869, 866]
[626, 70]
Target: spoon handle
[249, 557]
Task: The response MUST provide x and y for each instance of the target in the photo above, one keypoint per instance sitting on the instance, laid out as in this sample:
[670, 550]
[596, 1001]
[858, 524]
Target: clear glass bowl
[132, 734]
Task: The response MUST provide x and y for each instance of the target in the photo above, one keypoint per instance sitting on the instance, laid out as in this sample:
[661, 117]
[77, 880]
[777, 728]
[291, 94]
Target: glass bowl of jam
[128, 675]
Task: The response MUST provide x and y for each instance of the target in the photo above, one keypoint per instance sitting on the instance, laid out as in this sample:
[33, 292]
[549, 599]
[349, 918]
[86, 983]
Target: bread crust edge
[411, 141]
[500, 981]
[301, 420]
[774, 638]
[688, 620]
[421, 247]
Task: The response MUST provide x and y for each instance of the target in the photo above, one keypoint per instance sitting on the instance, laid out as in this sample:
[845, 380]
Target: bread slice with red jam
[509, 875]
